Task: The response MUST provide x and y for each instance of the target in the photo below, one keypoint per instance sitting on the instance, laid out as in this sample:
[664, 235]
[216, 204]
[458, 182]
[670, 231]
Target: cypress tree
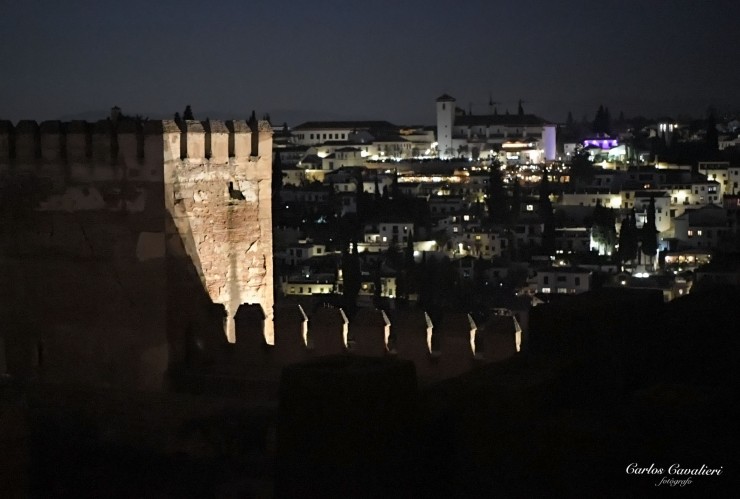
[628, 238]
[634, 238]
[581, 167]
[352, 277]
[496, 196]
[622, 254]
[377, 283]
[712, 137]
[188, 114]
[649, 233]
[516, 201]
[602, 229]
[546, 215]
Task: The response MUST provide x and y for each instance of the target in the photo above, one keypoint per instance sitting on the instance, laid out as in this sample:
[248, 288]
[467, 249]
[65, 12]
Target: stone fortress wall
[129, 250]
[448, 346]
[113, 234]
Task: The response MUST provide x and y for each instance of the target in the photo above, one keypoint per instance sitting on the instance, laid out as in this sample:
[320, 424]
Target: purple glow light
[603, 143]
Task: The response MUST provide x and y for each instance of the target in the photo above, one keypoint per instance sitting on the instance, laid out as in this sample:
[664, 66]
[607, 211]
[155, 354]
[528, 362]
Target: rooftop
[343, 125]
[500, 119]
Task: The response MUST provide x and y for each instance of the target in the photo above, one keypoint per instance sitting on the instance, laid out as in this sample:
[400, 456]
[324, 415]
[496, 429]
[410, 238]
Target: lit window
[545, 290]
[698, 233]
[562, 290]
[691, 233]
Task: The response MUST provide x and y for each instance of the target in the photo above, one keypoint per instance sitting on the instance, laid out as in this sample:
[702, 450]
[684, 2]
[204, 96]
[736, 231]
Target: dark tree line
[602, 122]
[633, 241]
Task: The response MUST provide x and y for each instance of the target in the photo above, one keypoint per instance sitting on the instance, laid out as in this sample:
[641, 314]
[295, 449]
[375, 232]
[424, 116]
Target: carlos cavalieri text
[674, 469]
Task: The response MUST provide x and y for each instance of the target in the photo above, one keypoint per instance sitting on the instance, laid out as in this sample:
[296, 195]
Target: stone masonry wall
[221, 208]
[115, 237]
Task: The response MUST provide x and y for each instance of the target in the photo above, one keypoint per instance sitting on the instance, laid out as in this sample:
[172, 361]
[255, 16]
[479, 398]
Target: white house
[562, 280]
[395, 232]
[663, 220]
[479, 243]
[720, 172]
[304, 250]
[704, 227]
[573, 239]
[317, 132]
[308, 284]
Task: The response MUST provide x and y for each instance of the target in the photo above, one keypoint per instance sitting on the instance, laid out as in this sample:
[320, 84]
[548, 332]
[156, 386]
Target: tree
[427, 281]
[408, 255]
[628, 238]
[406, 275]
[360, 198]
[516, 201]
[546, 215]
[602, 121]
[520, 109]
[712, 137]
[277, 180]
[602, 230]
[395, 189]
[581, 167]
[649, 233]
[188, 114]
[352, 277]
[496, 198]
[673, 146]
[377, 283]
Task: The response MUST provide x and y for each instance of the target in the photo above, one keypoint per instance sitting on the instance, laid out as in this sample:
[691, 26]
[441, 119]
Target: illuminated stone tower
[445, 122]
[217, 180]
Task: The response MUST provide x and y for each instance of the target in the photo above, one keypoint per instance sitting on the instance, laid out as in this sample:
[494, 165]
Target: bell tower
[445, 122]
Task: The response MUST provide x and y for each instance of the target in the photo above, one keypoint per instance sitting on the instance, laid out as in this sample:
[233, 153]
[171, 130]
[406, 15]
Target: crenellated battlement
[113, 149]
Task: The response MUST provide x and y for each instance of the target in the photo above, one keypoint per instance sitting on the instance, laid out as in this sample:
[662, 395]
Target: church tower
[445, 121]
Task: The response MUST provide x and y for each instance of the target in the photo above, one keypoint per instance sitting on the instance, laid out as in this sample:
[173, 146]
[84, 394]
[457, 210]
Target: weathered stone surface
[221, 209]
[115, 264]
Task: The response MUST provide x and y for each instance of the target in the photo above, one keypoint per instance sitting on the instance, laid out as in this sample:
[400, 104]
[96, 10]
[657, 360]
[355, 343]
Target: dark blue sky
[373, 59]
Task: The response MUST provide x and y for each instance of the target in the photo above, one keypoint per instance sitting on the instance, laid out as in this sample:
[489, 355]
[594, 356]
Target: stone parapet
[86, 152]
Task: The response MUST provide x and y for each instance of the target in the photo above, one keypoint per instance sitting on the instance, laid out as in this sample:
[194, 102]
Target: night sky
[375, 59]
